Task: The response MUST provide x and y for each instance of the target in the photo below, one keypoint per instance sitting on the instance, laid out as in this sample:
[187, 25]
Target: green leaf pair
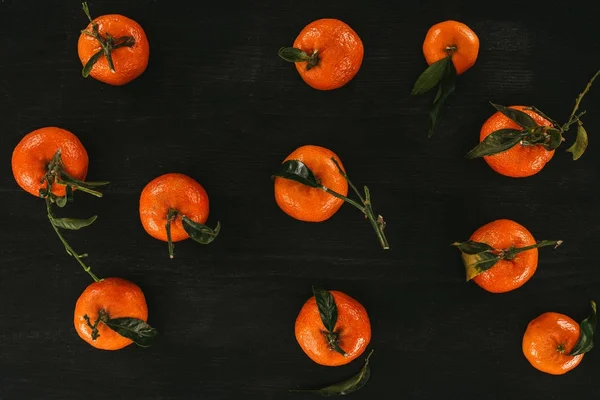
[479, 257]
[441, 73]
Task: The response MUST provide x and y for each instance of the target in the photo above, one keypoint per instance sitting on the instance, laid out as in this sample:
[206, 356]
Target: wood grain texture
[217, 103]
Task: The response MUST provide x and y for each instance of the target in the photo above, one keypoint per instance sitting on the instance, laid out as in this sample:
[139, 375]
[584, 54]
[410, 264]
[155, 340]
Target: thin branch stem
[341, 171]
[346, 199]
[68, 248]
[572, 118]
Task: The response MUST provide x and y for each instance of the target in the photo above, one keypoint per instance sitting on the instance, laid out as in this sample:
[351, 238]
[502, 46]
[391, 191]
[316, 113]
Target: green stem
[573, 118]
[346, 199]
[68, 248]
[513, 251]
[170, 217]
[377, 222]
[333, 340]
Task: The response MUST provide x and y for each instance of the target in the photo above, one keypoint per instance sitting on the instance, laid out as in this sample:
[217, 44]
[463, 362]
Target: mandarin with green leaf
[501, 256]
[519, 141]
[36, 150]
[450, 48]
[332, 328]
[327, 54]
[454, 40]
[311, 185]
[51, 163]
[521, 160]
[174, 207]
[112, 314]
[113, 49]
[555, 344]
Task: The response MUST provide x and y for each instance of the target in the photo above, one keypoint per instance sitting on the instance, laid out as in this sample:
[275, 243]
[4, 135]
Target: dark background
[217, 103]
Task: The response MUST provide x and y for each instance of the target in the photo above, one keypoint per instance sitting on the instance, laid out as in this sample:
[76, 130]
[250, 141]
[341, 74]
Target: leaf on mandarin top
[293, 54]
[135, 329]
[299, 172]
[200, 233]
[477, 257]
[327, 308]
[497, 142]
[431, 76]
[580, 144]
[87, 68]
[586, 333]
[73, 223]
[446, 88]
[517, 116]
[348, 386]
[472, 247]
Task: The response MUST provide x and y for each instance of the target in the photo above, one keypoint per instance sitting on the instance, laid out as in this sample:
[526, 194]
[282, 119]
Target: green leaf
[135, 329]
[200, 233]
[299, 172]
[327, 308]
[73, 223]
[586, 334]
[517, 116]
[580, 144]
[445, 89]
[477, 257]
[476, 264]
[431, 76]
[497, 142]
[87, 68]
[555, 137]
[60, 201]
[293, 54]
[348, 386]
[472, 247]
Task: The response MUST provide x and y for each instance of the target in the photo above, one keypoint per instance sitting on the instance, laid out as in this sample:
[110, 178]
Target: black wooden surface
[217, 103]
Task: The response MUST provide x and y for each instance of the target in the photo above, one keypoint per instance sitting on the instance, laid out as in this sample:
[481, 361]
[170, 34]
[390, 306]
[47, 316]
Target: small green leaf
[555, 139]
[431, 76]
[299, 172]
[346, 387]
[87, 68]
[476, 264]
[586, 334]
[60, 201]
[73, 223]
[446, 88]
[517, 116]
[477, 257]
[497, 142]
[472, 247]
[200, 233]
[327, 308]
[135, 329]
[293, 54]
[580, 144]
